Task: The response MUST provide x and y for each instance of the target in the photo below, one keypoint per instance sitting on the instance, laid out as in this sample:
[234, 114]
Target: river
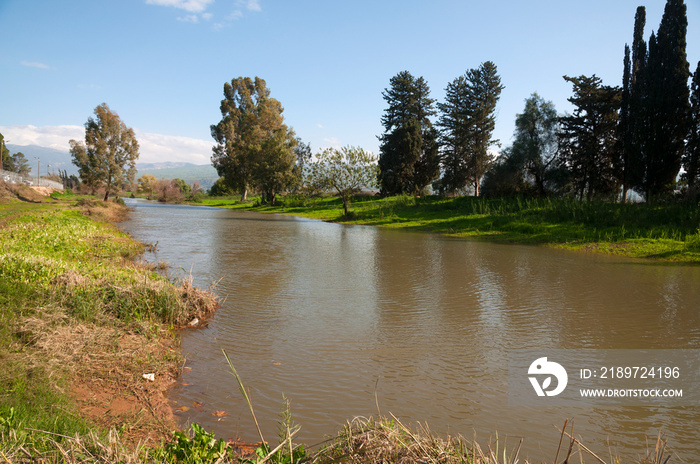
[343, 320]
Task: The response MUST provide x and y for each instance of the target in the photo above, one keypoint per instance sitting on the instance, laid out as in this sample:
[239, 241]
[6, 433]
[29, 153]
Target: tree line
[634, 137]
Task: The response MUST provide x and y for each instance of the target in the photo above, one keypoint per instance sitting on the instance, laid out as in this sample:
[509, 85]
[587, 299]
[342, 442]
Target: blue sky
[161, 64]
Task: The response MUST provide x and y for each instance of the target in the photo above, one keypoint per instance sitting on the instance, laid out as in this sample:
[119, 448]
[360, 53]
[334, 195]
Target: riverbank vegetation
[668, 232]
[81, 323]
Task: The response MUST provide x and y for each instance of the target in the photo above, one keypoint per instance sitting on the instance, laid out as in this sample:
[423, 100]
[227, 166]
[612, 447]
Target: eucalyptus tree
[536, 141]
[255, 148]
[107, 157]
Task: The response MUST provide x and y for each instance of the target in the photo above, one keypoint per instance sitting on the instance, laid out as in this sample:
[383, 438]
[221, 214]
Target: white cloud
[153, 148]
[253, 5]
[193, 6]
[234, 15]
[56, 137]
[189, 18]
[35, 64]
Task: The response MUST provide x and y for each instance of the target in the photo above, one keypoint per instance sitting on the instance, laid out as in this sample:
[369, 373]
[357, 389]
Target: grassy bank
[81, 322]
[668, 233]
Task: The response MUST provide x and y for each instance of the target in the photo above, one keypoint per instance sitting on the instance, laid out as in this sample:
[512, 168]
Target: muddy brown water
[340, 319]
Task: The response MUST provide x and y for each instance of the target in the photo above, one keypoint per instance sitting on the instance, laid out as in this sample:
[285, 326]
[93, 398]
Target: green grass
[662, 232]
[68, 279]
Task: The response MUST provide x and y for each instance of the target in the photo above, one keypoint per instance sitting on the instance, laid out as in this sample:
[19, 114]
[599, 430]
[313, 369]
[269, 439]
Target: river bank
[663, 233]
[82, 325]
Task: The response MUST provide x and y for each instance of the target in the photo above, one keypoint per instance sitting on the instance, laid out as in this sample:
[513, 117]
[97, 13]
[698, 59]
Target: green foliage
[147, 185]
[254, 146]
[107, 157]
[408, 160]
[588, 144]
[220, 188]
[655, 111]
[200, 449]
[345, 171]
[467, 121]
[15, 163]
[691, 159]
[530, 165]
[184, 188]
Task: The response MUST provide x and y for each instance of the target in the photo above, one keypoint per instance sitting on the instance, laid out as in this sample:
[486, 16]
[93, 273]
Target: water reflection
[333, 315]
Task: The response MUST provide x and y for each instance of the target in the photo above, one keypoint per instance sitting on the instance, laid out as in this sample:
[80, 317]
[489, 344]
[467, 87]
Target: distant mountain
[45, 158]
[55, 160]
[163, 165]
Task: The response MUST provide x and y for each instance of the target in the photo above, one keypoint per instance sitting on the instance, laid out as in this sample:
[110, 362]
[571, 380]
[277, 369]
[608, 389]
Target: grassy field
[669, 233]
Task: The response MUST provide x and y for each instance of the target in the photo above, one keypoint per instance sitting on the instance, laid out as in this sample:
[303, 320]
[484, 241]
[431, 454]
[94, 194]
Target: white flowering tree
[345, 171]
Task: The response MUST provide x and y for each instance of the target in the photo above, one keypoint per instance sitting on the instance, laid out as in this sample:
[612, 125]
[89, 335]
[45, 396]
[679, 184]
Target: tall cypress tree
[408, 161]
[636, 107]
[667, 105]
[624, 132]
[691, 160]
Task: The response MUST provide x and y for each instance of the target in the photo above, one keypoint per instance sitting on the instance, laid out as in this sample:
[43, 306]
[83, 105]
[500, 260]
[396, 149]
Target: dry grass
[366, 440]
[103, 211]
[106, 365]
[384, 440]
[90, 448]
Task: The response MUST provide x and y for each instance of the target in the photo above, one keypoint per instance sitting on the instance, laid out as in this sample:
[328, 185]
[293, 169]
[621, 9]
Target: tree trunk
[108, 188]
[345, 205]
[244, 196]
[476, 188]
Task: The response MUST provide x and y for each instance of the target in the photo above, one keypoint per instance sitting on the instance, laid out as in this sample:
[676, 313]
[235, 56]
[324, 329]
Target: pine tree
[400, 153]
[588, 137]
[408, 161]
[467, 121]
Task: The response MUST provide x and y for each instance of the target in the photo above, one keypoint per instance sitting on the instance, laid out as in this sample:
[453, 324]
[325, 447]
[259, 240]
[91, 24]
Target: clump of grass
[25, 445]
[365, 440]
